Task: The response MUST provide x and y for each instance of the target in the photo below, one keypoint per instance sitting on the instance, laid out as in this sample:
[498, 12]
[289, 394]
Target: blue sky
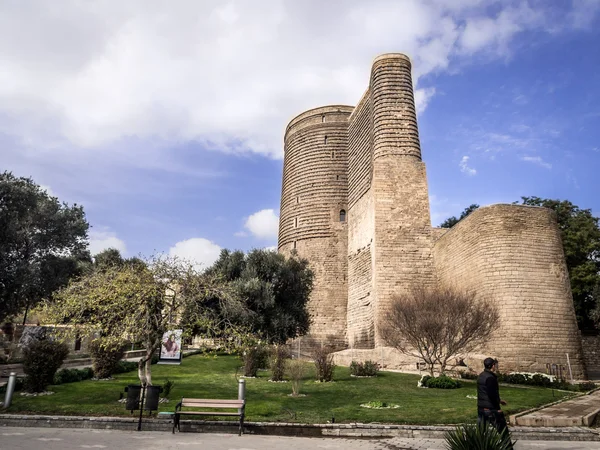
[166, 122]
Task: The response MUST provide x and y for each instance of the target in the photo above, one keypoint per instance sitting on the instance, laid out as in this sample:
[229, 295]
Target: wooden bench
[240, 405]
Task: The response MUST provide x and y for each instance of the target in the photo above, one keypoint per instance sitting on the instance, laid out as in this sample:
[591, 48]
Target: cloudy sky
[166, 119]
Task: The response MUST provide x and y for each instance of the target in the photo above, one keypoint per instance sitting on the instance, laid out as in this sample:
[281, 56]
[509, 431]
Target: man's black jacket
[488, 393]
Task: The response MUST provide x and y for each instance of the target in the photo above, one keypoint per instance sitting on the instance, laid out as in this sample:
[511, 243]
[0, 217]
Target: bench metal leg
[241, 424]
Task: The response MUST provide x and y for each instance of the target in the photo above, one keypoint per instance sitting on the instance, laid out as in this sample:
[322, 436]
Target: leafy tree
[438, 323]
[580, 232]
[112, 257]
[274, 291]
[138, 302]
[43, 243]
[107, 258]
[451, 221]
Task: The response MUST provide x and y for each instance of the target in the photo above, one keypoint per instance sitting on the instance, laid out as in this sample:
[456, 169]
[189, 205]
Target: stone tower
[355, 203]
[314, 208]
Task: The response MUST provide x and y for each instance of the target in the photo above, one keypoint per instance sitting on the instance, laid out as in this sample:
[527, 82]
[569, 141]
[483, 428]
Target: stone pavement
[69, 439]
[580, 411]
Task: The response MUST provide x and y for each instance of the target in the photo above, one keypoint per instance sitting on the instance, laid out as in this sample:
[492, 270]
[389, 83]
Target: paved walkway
[580, 411]
[69, 439]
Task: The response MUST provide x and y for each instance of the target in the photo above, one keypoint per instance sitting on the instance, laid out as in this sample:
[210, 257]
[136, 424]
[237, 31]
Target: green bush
[441, 382]
[366, 369]
[125, 366]
[279, 355]
[72, 375]
[323, 358]
[469, 437]
[41, 360]
[587, 386]
[105, 357]
[167, 387]
[534, 379]
[254, 358]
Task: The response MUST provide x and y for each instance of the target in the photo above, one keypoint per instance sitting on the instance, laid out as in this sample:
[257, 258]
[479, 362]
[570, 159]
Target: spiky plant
[477, 437]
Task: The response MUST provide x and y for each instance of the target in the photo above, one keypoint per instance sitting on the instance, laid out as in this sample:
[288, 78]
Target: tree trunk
[145, 366]
[149, 371]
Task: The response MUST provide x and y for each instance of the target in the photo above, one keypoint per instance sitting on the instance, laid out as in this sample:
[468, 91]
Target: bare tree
[438, 323]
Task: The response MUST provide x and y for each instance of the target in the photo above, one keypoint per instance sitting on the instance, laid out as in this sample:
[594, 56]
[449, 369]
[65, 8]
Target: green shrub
[587, 386]
[279, 355]
[534, 379]
[125, 366]
[167, 387]
[366, 369]
[469, 437]
[441, 382]
[41, 360]
[323, 358]
[72, 375]
[105, 358]
[295, 370]
[253, 358]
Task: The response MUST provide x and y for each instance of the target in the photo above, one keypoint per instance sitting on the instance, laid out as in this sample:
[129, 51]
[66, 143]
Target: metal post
[570, 371]
[141, 407]
[241, 392]
[10, 388]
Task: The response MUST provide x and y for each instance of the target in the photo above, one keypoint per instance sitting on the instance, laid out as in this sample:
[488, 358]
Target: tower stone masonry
[355, 203]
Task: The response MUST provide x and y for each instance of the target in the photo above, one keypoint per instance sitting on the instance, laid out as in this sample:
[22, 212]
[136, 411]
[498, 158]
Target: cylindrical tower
[313, 217]
[513, 256]
[402, 244]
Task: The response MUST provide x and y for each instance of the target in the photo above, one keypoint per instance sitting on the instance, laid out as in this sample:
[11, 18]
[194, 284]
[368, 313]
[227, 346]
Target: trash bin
[152, 397]
[133, 397]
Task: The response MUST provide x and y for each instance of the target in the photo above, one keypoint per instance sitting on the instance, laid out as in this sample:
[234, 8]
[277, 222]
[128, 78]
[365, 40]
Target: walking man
[488, 398]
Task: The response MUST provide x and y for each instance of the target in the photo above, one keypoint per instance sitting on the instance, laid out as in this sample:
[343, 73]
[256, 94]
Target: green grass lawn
[215, 377]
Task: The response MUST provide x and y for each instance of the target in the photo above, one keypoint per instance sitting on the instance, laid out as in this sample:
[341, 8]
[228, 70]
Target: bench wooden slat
[213, 405]
[211, 400]
[207, 413]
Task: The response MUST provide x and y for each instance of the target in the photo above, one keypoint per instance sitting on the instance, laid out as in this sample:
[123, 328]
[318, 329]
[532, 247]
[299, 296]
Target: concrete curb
[585, 420]
[285, 429]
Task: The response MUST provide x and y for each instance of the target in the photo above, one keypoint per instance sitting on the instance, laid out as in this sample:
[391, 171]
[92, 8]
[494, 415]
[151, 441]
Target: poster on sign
[170, 348]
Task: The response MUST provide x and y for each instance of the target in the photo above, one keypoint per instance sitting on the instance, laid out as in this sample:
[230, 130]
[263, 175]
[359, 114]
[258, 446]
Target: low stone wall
[591, 356]
[284, 429]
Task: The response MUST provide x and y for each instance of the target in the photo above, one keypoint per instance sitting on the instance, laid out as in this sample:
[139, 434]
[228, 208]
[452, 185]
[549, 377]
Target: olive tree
[137, 302]
[438, 323]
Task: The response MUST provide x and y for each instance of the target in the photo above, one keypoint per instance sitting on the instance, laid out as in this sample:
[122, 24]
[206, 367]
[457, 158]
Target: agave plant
[477, 437]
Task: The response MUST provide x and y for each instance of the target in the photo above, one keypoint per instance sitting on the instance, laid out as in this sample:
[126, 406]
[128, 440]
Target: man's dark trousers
[494, 418]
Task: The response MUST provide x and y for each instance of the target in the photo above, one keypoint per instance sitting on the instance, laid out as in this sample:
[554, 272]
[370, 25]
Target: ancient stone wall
[402, 240]
[361, 327]
[591, 356]
[355, 203]
[513, 256]
[313, 217]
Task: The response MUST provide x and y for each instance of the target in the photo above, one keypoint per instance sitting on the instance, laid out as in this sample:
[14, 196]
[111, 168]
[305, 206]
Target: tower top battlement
[384, 56]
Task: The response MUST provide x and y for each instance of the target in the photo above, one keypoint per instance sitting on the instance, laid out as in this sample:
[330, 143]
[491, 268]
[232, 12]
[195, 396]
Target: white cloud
[102, 240]
[464, 166]
[199, 251]
[271, 248]
[537, 160]
[263, 224]
[240, 234]
[90, 75]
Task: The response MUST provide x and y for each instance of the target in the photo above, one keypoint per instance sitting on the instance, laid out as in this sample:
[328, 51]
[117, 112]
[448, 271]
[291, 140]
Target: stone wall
[314, 193]
[513, 256]
[367, 162]
[402, 240]
[361, 327]
[591, 355]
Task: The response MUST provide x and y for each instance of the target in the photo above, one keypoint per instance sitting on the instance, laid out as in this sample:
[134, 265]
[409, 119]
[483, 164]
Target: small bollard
[10, 388]
[241, 392]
